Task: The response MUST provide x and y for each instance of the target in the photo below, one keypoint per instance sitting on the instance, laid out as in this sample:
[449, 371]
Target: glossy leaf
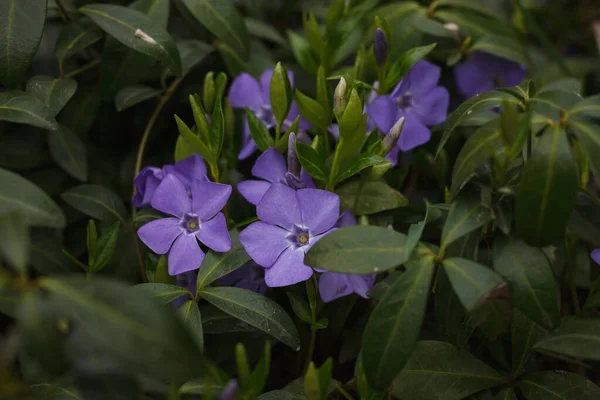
[23, 24]
[255, 310]
[106, 247]
[259, 131]
[280, 91]
[190, 315]
[192, 53]
[395, 323]
[74, 37]
[405, 62]
[216, 322]
[194, 142]
[300, 307]
[471, 281]
[69, 152]
[311, 109]
[438, 370]
[530, 280]
[17, 194]
[358, 250]
[466, 215]
[163, 292]
[137, 31]
[547, 189]
[54, 93]
[553, 104]
[586, 108]
[311, 161]
[416, 230]
[561, 385]
[361, 163]
[14, 240]
[589, 135]
[375, 196]
[131, 95]
[217, 265]
[96, 201]
[524, 335]
[25, 108]
[575, 337]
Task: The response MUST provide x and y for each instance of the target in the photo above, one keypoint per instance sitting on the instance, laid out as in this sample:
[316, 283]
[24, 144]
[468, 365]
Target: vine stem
[313, 320]
[140, 155]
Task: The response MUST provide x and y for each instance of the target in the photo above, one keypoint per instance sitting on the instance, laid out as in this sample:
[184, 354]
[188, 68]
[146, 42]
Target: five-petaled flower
[419, 99]
[485, 72]
[245, 91]
[196, 218]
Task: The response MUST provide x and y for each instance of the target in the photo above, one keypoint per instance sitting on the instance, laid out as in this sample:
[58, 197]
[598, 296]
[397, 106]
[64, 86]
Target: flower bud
[380, 47]
[339, 98]
[292, 157]
[389, 141]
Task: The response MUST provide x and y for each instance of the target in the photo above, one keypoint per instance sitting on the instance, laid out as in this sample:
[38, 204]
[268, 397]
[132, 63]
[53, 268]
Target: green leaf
[395, 323]
[17, 194]
[54, 93]
[193, 140]
[259, 131]
[96, 201]
[223, 20]
[482, 8]
[359, 249]
[466, 214]
[422, 22]
[477, 150]
[14, 240]
[351, 119]
[503, 47]
[217, 265]
[106, 247]
[192, 53]
[416, 230]
[25, 108]
[74, 37]
[558, 385]
[163, 292]
[121, 325]
[255, 310]
[471, 281]
[300, 307]
[575, 337]
[438, 370]
[280, 91]
[506, 394]
[129, 96]
[553, 103]
[22, 23]
[80, 112]
[217, 128]
[310, 109]
[478, 103]
[303, 52]
[589, 136]
[375, 196]
[216, 322]
[530, 280]
[263, 30]
[312, 161]
[281, 395]
[586, 108]
[360, 163]
[524, 335]
[200, 119]
[547, 189]
[190, 315]
[136, 30]
[405, 62]
[69, 152]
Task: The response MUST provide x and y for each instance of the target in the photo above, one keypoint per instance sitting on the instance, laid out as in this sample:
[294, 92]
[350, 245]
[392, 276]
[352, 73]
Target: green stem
[343, 392]
[311, 291]
[84, 68]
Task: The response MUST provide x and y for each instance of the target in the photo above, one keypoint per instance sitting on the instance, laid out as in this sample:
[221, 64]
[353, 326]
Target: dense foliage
[300, 199]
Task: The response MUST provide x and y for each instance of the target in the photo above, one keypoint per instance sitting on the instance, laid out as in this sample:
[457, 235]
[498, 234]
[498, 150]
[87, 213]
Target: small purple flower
[419, 99]
[186, 280]
[245, 91]
[197, 218]
[290, 223]
[596, 255]
[230, 390]
[250, 276]
[146, 182]
[485, 72]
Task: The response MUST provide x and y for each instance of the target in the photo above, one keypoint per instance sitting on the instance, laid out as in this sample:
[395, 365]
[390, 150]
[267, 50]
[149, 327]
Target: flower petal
[596, 255]
[264, 242]
[208, 198]
[361, 284]
[346, 219]
[270, 166]
[245, 91]
[414, 134]
[422, 77]
[171, 197]
[279, 206]
[289, 269]
[214, 234]
[248, 146]
[185, 255]
[303, 124]
[159, 234]
[471, 79]
[188, 170]
[333, 285]
[146, 183]
[383, 112]
[265, 83]
[432, 108]
[320, 209]
[253, 191]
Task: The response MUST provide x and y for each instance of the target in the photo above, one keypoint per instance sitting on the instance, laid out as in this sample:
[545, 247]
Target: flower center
[299, 236]
[405, 101]
[189, 223]
[265, 114]
[303, 238]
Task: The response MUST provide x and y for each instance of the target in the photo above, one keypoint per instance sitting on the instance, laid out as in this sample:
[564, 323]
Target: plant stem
[311, 291]
[84, 68]
[63, 11]
[343, 392]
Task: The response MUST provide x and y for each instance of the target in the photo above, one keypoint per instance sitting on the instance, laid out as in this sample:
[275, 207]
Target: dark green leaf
[280, 91]
[303, 53]
[17, 194]
[553, 103]
[575, 337]
[471, 281]
[506, 394]
[589, 136]
[194, 142]
[108, 385]
[131, 95]
[69, 152]
[22, 23]
[190, 315]
[503, 47]
[300, 307]
[480, 7]
[223, 20]
[358, 250]
[312, 161]
[256, 310]
[192, 53]
[547, 190]
[525, 334]
[136, 30]
[438, 370]
[14, 240]
[360, 163]
[259, 131]
[74, 37]
[96, 201]
[263, 30]
[281, 395]
[416, 230]
[80, 112]
[586, 108]
[217, 265]
[466, 215]
[395, 323]
[25, 108]
[530, 280]
[405, 62]
[216, 322]
[163, 292]
[422, 22]
[375, 196]
[558, 385]
[310, 109]
[106, 247]
[54, 93]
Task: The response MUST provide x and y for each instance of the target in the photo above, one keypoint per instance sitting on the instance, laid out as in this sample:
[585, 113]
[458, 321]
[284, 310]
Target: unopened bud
[292, 157]
[380, 47]
[339, 98]
[389, 141]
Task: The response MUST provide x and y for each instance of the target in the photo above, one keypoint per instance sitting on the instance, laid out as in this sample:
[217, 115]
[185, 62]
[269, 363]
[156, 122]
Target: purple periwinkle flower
[245, 91]
[196, 218]
[380, 47]
[596, 255]
[186, 280]
[485, 72]
[250, 276]
[291, 221]
[419, 99]
[146, 182]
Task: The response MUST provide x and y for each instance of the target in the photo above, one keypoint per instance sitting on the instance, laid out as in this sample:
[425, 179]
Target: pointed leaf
[190, 315]
[586, 108]
[96, 201]
[106, 247]
[589, 136]
[405, 62]
[503, 47]
[525, 334]
[163, 292]
[14, 240]
[131, 95]
[558, 385]
[54, 93]
[311, 161]
[310, 109]
[360, 163]
[575, 337]
[217, 265]
[69, 152]
[375, 196]
[259, 131]
[25, 108]
[466, 215]
[74, 37]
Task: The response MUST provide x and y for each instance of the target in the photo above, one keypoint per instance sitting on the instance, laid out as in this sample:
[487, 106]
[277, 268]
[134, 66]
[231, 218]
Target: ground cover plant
[344, 199]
